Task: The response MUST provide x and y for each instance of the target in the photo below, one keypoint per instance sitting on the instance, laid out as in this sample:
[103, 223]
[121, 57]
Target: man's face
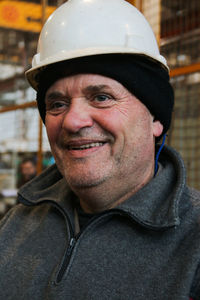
[100, 134]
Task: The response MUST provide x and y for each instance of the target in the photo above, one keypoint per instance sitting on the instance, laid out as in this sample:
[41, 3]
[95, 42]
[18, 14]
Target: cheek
[139, 128]
[52, 128]
[112, 120]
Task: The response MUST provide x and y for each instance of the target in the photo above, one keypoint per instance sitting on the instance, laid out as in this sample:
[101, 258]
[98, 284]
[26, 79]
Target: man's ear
[157, 128]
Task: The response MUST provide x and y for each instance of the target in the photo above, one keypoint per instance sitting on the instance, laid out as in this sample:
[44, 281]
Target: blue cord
[158, 154]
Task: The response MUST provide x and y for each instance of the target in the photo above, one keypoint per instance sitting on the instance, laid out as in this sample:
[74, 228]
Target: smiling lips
[85, 146]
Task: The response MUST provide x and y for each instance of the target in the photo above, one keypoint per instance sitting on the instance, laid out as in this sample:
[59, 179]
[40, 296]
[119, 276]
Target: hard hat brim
[31, 74]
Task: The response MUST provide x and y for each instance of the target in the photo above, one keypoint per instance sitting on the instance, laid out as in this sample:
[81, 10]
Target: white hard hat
[88, 27]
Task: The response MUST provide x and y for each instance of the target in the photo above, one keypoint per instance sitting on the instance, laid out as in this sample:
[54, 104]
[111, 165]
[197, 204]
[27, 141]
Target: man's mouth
[85, 146]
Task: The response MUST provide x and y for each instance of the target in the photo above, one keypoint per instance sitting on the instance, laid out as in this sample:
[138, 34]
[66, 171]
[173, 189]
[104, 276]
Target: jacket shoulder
[193, 196]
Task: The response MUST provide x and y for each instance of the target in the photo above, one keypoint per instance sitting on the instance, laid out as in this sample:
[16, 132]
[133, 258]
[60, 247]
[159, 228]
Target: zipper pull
[71, 246]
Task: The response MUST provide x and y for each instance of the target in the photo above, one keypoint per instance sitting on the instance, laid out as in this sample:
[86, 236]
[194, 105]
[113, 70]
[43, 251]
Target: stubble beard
[81, 173]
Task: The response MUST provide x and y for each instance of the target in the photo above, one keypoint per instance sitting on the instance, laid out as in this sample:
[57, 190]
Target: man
[110, 220]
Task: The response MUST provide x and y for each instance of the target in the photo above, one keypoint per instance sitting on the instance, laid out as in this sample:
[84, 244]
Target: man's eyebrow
[95, 88]
[53, 96]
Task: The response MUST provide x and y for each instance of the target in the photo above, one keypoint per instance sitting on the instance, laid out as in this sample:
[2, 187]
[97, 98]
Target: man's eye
[56, 106]
[102, 98]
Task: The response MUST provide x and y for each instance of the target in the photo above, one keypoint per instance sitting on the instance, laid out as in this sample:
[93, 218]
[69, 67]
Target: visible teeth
[86, 146]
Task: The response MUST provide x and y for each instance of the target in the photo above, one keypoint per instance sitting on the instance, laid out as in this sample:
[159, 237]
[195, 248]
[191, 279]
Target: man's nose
[78, 116]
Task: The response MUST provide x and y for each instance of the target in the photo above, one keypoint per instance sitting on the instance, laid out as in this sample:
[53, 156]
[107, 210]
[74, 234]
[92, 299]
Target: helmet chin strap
[158, 154]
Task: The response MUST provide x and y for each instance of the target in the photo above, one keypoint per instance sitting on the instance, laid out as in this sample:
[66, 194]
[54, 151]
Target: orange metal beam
[131, 1]
[19, 106]
[136, 3]
[44, 4]
[40, 147]
[185, 70]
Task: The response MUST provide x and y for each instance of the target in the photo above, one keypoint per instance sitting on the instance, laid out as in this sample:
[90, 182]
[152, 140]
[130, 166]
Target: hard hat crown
[89, 27]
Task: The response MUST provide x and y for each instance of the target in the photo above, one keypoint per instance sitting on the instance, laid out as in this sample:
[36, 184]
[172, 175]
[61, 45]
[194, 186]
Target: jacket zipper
[67, 258]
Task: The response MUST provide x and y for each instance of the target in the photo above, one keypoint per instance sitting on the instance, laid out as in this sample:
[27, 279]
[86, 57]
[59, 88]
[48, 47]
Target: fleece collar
[155, 206]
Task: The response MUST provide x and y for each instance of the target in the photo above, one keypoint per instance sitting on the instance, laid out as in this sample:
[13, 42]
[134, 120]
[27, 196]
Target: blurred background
[24, 149]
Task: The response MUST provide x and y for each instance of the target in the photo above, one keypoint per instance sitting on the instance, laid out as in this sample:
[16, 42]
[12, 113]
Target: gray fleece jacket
[146, 248]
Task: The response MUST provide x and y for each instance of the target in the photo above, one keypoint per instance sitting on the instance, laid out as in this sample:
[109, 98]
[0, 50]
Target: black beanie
[143, 77]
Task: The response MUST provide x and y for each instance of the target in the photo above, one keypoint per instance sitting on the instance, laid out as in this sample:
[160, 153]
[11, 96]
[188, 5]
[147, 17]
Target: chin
[84, 182]
[85, 175]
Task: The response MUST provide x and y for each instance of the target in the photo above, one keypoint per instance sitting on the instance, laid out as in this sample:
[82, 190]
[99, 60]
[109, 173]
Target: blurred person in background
[27, 171]
[113, 218]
